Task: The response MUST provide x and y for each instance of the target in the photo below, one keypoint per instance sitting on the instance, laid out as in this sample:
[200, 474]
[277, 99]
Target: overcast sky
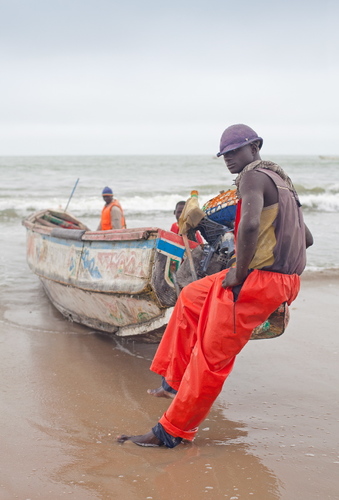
[154, 76]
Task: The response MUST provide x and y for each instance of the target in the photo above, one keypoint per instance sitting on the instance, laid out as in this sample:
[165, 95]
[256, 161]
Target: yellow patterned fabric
[266, 239]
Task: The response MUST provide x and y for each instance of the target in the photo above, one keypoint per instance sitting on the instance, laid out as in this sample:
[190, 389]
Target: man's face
[178, 210]
[107, 198]
[237, 159]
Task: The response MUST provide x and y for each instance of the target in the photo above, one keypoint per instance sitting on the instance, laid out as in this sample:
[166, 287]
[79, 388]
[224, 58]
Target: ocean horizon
[149, 186]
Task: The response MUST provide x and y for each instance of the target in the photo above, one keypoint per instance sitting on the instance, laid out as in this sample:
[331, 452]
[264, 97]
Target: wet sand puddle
[68, 392]
[67, 396]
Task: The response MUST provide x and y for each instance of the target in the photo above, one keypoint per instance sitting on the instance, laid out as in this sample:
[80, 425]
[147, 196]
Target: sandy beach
[67, 392]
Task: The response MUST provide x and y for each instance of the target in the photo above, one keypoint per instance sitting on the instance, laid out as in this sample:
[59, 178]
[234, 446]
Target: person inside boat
[214, 317]
[112, 215]
[175, 227]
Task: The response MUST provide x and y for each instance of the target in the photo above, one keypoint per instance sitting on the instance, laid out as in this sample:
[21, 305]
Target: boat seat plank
[67, 234]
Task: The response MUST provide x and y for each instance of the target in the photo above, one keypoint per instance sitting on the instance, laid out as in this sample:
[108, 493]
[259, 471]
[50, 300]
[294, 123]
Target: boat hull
[111, 313]
[119, 282]
[115, 281]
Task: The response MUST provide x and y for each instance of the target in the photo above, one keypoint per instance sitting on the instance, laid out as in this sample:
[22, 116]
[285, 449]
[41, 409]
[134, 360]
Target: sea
[148, 188]
[67, 391]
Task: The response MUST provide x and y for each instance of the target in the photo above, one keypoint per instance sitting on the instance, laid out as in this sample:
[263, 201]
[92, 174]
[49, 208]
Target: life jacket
[175, 228]
[106, 222]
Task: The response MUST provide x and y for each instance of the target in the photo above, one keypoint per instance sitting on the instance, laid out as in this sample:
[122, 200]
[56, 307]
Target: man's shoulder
[252, 179]
[255, 183]
[257, 176]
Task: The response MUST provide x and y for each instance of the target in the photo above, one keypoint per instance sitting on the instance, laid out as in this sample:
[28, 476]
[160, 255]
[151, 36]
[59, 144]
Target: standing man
[112, 215]
[214, 317]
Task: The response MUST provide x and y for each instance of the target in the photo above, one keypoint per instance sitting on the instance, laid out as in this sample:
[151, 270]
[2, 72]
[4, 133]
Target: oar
[189, 255]
[75, 185]
[176, 285]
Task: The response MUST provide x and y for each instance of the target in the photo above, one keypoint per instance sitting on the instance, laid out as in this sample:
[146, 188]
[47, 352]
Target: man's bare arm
[252, 190]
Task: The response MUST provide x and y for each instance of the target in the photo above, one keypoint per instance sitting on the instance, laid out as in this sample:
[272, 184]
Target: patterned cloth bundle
[222, 207]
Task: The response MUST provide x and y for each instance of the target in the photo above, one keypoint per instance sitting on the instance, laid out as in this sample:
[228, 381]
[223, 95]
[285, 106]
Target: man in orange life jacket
[214, 317]
[112, 215]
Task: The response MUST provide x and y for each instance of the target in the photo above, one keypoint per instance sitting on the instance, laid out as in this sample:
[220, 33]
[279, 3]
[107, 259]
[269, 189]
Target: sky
[133, 77]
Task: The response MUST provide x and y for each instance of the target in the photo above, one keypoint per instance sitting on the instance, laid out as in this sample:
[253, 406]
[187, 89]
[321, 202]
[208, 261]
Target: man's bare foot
[160, 393]
[148, 439]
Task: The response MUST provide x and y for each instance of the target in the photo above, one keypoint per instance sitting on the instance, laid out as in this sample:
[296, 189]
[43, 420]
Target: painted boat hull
[120, 282]
[114, 281]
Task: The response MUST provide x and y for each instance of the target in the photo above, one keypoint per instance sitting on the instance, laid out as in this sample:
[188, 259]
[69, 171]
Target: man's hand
[231, 279]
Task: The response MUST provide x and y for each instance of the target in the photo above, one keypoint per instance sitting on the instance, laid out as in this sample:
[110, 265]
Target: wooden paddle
[189, 255]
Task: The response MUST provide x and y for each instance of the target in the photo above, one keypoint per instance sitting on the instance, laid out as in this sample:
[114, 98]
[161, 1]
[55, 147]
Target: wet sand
[66, 393]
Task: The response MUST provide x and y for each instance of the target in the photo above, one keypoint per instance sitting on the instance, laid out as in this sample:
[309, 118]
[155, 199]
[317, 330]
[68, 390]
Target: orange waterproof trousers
[206, 331]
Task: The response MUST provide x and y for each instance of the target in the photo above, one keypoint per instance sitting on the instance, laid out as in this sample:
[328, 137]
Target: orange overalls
[206, 331]
[208, 328]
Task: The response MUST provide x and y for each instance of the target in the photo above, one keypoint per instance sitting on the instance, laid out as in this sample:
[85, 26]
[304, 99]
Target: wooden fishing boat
[118, 281]
[124, 281]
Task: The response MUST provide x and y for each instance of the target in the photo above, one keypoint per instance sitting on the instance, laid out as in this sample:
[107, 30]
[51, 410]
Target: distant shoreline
[324, 274]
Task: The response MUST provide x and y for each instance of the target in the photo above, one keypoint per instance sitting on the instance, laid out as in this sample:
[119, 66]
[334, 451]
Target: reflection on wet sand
[68, 392]
[79, 392]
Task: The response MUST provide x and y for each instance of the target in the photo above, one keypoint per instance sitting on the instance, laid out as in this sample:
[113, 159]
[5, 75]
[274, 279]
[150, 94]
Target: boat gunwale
[142, 233]
[136, 233]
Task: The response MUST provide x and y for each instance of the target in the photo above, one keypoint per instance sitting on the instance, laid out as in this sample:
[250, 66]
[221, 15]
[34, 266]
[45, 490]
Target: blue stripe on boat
[169, 248]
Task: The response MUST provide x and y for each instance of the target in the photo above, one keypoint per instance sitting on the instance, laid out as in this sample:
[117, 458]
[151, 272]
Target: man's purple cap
[236, 136]
[107, 191]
